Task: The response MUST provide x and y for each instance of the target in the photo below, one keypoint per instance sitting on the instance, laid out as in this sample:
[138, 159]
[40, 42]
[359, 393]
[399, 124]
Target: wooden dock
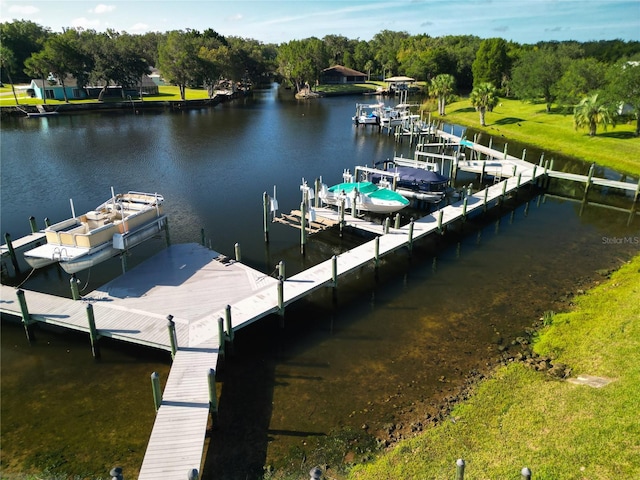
[200, 288]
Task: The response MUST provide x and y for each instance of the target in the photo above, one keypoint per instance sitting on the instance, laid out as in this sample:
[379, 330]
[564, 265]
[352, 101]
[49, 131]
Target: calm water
[382, 354]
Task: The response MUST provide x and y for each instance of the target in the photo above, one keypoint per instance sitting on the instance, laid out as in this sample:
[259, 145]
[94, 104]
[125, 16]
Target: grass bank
[617, 148]
[523, 417]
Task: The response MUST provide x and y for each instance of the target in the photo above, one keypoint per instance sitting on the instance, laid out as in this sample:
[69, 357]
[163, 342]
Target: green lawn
[617, 147]
[522, 417]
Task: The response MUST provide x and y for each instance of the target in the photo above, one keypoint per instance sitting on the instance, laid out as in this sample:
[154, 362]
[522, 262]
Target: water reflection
[381, 351]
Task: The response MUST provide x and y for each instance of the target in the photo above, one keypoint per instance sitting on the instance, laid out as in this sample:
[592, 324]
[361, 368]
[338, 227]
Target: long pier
[190, 300]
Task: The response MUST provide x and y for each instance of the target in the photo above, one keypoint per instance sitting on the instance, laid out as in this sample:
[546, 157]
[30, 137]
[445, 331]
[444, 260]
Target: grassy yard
[168, 93]
[522, 417]
[617, 147]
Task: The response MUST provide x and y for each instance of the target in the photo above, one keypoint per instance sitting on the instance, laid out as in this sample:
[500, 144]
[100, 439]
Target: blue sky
[276, 21]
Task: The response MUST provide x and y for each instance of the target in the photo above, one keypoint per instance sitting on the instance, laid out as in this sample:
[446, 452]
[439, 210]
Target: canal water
[348, 372]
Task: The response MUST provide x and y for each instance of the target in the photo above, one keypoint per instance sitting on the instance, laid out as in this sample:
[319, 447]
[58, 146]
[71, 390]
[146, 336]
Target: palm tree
[590, 113]
[483, 98]
[442, 86]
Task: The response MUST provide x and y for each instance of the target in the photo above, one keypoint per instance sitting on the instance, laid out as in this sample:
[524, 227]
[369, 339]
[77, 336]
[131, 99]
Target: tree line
[562, 73]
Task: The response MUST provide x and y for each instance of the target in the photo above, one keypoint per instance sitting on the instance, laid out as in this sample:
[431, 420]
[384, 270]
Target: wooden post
[193, 474]
[157, 393]
[167, 237]
[47, 222]
[238, 252]
[411, 224]
[93, 332]
[171, 325]
[73, 283]
[460, 469]
[464, 208]
[32, 224]
[12, 253]
[265, 216]
[376, 253]
[387, 224]
[281, 296]
[396, 225]
[334, 270]
[221, 336]
[484, 164]
[524, 154]
[526, 474]
[317, 186]
[504, 190]
[116, 473]
[518, 182]
[486, 196]
[506, 146]
[227, 316]
[303, 226]
[589, 180]
[342, 199]
[213, 396]
[281, 270]
[534, 180]
[440, 214]
[202, 239]
[354, 205]
[26, 317]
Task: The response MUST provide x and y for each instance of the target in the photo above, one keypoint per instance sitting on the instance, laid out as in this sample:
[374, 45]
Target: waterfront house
[53, 89]
[340, 74]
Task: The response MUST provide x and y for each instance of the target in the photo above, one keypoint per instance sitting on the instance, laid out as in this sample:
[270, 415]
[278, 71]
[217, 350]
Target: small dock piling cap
[315, 473]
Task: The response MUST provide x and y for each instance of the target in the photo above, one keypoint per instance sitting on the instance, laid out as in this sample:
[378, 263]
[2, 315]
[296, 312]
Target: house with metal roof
[340, 74]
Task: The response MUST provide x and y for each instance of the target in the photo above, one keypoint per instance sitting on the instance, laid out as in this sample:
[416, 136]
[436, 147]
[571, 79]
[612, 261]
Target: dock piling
[440, 214]
[376, 253]
[33, 224]
[213, 396]
[73, 283]
[387, 224]
[396, 225]
[47, 222]
[280, 296]
[94, 336]
[193, 474]
[171, 325]
[281, 269]
[167, 237]
[265, 216]
[221, 336]
[303, 226]
[464, 209]
[411, 224]
[157, 393]
[116, 473]
[460, 469]
[12, 253]
[227, 316]
[202, 239]
[334, 271]
[26, 317]
[526, 474]
[238, 252]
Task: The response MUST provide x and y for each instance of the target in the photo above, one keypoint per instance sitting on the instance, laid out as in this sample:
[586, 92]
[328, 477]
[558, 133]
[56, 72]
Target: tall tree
[178, 59]
[590, 113]
[8, 65]
[23, 38]
[582, 77]
[301, 61]
[38, 66]
[624, 88]
[484, 98]
[491, 62]
[536, 73]
[441, 87]
[386, 45]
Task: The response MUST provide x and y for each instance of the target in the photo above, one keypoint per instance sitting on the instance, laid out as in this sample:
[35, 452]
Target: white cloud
[139, 28]
[235, 18]
[102, 8]
[24, 9]
[85, 23]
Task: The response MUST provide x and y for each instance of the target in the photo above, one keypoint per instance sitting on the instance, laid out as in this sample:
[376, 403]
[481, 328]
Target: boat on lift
[80, 242]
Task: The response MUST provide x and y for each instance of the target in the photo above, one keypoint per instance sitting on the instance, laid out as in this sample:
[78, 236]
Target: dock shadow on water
[344, 379]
